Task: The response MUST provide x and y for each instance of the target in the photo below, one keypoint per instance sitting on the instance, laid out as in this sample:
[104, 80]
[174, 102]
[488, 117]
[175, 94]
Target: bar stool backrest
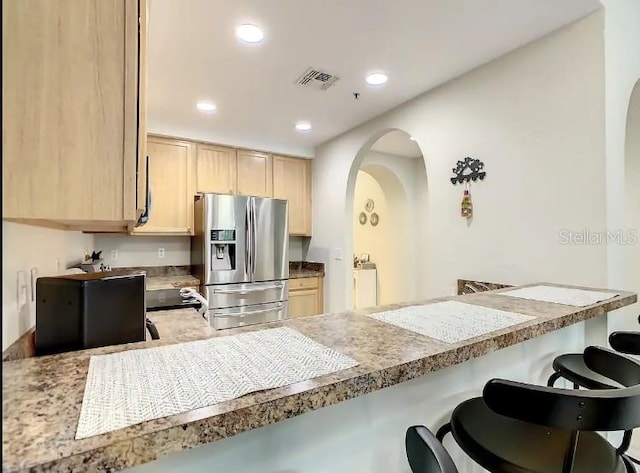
[625, 342]
[425, 453]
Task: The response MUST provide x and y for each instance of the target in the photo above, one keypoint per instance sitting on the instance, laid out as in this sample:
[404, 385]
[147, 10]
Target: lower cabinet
[306, 297]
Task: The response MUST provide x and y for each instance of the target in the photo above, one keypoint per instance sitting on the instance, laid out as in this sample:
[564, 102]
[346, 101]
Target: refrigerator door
[270, 239]
[233, 295]
[223, 229]
[247, 315]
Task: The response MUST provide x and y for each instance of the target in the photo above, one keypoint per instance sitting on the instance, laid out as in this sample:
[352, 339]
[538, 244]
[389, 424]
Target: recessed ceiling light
[377, 78]
[303, 126]
[412, 138]
[206, 106]
[249, 33]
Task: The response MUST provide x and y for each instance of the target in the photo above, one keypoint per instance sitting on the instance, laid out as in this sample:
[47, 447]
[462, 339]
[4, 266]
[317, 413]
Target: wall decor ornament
[369, 205]
[466, 207]
[362, 218]
[468, 170]
[374, 219]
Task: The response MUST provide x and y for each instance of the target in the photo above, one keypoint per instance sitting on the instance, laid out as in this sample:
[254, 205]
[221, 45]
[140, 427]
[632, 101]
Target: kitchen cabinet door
[75, 107]
[216, 169]
[303, 303]
[171, 175]
[292, 182]
[255, 174]
[306, 297]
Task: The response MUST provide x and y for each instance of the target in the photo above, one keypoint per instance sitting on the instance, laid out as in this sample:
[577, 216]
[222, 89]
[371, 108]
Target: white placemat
[130, 387]
[560, 295]
[451, 321]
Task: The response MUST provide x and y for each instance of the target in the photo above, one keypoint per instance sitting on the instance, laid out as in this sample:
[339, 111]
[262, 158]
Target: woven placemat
[135, 386]
[451, 321]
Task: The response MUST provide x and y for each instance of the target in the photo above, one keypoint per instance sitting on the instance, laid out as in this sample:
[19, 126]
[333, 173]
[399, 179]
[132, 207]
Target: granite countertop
[305, 273]
[305, 269]
[42, 396]
[171, 282]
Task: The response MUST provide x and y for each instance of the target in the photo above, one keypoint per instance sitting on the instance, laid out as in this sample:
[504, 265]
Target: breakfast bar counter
[43, 396]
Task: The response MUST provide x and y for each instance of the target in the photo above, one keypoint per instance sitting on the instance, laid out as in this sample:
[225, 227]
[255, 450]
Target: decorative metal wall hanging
[362, 218]
[374, 219]
[468, 170]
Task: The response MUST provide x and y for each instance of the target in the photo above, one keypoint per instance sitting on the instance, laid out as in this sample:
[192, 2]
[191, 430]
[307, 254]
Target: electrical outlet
[160, 252]
[34, 278]
[114, 254]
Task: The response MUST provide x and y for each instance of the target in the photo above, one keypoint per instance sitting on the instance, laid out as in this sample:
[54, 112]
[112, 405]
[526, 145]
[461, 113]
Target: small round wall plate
[369, 205]
[362, 218]
[374, 219]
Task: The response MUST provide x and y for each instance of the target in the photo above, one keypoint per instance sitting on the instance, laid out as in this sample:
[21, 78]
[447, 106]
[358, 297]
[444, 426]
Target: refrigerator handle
[254, 239]
[247, 241]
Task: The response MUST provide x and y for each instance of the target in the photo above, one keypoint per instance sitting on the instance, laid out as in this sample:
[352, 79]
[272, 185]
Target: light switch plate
[337, 254]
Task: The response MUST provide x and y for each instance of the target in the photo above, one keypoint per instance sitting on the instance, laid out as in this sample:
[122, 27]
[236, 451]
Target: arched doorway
[386, 192]
[632, 200]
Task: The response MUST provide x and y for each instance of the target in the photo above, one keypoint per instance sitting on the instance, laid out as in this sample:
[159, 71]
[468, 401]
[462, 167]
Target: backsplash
[125, 250]
[159, 271]
[120, 251]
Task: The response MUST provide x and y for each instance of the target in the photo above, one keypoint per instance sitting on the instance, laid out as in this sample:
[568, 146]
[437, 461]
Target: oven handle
[254, 312]
[246, 291]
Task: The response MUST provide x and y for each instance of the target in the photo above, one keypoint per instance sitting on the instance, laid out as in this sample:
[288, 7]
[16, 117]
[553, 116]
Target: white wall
[535, 117]
[143, 250]
[25, 247]
[622, 71]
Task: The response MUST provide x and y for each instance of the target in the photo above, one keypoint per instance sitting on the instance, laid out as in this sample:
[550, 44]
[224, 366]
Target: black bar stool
[518, 427]
[572, 366]
[425, 453]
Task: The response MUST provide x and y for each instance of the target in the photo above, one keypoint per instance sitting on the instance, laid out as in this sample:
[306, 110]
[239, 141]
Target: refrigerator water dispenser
[223, 250]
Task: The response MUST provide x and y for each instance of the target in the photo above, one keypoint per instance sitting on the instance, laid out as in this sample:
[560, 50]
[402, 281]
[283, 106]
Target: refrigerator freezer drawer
[233, 295]
[247, 315]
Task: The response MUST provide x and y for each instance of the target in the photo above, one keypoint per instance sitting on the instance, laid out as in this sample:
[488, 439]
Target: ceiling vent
[317, 79]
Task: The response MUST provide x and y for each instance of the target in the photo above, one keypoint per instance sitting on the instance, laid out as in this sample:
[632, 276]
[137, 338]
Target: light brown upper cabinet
[216, 169]
[292, 182]
[74, 101]
[255, 174]
[171, 179]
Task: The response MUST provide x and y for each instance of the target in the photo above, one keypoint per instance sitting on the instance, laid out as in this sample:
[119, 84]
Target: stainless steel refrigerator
[240, 253]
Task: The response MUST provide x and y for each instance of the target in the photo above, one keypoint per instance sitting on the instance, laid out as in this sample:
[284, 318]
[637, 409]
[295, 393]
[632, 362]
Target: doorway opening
[632, 202]
[387, 184]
